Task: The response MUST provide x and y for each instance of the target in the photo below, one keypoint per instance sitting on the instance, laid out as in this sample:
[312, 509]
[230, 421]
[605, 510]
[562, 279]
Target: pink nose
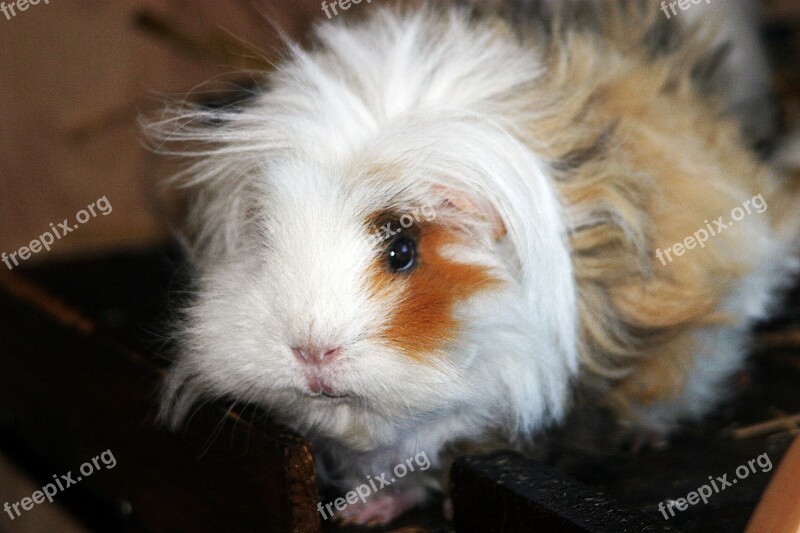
[311, 355]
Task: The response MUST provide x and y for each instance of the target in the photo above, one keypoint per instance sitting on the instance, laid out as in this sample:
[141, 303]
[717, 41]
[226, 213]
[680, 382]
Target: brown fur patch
[660, 375]
[422, 301]
[641, 159]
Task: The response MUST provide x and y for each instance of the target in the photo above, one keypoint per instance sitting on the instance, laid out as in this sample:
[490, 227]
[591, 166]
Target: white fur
[283, 248]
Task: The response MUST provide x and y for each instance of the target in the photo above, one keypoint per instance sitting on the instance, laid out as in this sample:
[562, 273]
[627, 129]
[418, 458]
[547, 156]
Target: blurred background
[76, 75]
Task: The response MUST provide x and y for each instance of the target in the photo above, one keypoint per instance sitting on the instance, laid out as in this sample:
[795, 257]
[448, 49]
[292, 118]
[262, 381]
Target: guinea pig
[423, 233]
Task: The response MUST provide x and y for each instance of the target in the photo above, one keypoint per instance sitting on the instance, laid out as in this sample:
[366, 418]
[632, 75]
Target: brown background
[74, 78]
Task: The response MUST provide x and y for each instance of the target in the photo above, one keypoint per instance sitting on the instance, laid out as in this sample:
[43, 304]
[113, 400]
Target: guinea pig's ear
[462, 204]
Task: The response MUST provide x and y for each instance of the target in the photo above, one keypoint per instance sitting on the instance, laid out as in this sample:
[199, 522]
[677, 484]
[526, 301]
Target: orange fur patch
[423, 300]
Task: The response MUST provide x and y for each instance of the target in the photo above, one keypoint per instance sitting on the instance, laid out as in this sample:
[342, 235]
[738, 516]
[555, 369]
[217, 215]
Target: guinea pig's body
[426, 231]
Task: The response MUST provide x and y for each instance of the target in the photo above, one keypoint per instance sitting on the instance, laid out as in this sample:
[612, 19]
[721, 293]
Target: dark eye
[402, 254]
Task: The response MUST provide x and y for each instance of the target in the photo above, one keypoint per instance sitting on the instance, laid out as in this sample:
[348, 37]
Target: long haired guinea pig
[429, 228]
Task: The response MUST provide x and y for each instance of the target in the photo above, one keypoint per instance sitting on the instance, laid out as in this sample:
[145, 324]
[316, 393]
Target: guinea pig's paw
[378, 510]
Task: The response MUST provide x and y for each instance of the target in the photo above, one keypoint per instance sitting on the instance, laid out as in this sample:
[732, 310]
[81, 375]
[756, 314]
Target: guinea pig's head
[375, 246]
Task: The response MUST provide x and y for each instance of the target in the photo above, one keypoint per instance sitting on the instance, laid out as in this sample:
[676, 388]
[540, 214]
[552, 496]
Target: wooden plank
[507, 492]
[67, 393]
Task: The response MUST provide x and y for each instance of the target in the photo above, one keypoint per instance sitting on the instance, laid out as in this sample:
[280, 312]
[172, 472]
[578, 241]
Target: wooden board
[69, 393]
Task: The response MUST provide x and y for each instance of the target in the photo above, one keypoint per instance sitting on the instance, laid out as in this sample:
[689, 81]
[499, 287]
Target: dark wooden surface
[68, 392]
[531, 496]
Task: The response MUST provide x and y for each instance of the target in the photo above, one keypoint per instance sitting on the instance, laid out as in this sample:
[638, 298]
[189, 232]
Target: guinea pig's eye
[402, 254]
